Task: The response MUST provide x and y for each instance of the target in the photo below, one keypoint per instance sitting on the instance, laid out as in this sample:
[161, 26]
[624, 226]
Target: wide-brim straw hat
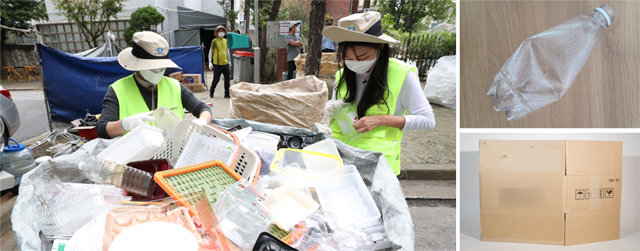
[221, 27]
[293, 24]
[360, 27]
[149, 51]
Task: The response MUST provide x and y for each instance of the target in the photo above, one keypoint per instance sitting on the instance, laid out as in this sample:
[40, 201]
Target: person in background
[294, 42]
[219, 59]
[384, 93]
[327, 44]
[130, 101]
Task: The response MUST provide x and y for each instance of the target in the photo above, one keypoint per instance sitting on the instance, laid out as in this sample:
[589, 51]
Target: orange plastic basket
[212, 177]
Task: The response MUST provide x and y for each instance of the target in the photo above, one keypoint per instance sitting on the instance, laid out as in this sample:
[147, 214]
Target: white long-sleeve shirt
[411, 98]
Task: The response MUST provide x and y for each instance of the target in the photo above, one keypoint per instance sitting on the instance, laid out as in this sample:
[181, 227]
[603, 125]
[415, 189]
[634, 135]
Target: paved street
[33, 114]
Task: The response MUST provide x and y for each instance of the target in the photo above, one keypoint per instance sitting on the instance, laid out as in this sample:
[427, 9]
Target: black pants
[217, 70]
[328, 50]
[292, 69]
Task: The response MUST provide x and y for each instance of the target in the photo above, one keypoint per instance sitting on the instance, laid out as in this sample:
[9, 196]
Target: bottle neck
[603, 16]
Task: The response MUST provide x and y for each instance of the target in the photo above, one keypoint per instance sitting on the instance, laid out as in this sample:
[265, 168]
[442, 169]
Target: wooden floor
[7, 238]
[605, 94]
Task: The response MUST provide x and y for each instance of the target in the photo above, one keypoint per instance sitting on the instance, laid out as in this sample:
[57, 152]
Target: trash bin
[243, 66]
[237, 41]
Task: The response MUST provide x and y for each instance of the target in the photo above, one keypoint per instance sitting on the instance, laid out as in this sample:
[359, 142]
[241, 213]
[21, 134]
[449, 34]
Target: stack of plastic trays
[201, 148]
[344, 194]
[246, 163]
[64, 217]
[140, 143]
[242, 215]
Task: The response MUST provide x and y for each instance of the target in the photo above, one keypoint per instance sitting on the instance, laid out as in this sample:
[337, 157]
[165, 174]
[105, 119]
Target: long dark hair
[375, 91]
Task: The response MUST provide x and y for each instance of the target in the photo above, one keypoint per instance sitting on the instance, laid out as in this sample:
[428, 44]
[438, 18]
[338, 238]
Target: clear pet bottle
[545, 65]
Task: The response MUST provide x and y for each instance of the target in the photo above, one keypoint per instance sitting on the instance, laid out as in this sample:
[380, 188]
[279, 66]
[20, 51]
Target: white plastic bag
[441, 83]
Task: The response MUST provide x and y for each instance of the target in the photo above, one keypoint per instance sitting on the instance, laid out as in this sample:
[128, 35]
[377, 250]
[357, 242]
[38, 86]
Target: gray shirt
[292, 51]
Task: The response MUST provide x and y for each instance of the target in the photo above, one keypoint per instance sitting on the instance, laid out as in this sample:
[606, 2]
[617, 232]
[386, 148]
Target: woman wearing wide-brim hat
[130, 101]
[219, 59]
[384, 93]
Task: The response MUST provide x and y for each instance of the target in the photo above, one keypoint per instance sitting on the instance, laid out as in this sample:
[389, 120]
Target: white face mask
[153, 76]
[220, 34]
[360, 67]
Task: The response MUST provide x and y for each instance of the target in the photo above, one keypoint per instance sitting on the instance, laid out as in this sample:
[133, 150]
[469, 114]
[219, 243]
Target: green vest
[131, 102]
[219, 47]
[384, 139]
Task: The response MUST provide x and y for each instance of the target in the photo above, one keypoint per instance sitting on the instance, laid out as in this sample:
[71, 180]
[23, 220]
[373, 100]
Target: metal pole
[256, 47]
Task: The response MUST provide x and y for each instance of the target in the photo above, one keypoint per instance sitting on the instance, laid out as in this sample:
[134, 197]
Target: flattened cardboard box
[550, 192]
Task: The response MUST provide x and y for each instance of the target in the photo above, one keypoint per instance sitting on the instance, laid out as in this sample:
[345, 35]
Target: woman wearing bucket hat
[130, 101]
[219, 61]
[384, 94]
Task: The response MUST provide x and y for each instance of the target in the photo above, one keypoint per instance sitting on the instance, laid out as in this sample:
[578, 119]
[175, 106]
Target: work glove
[210, 66]
[200, 121]
[131, 122]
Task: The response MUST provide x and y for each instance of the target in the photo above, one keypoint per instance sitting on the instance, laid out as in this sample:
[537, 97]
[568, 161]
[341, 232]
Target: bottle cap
[13, 148]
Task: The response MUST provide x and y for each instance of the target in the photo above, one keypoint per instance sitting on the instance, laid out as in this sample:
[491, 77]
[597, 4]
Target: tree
[18, 13]
[229, 13]
[91, 16]
[143, 19]
[406, 13]
[247, 16]
[316, 23]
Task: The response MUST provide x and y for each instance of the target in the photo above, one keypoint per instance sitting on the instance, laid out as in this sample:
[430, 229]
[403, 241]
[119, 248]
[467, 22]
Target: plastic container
[287, 206]
[126, 177]
[265, 145]
[201, 148]
[545, 65]
[155, 236]
[345, 117]
[246, 162]
[16, 159]
[307, 160]
[70, 211]
[243, 66]
[141, 143]
[241, 214]
[326, 146]
[344, 194]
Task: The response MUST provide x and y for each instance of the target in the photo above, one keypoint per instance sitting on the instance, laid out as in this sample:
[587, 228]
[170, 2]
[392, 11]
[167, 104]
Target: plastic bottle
[123, 176]
[545, 65]
[16, 159]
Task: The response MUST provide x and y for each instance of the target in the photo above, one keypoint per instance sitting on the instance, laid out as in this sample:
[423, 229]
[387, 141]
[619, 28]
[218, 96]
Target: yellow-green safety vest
[219, 47]
[384, 139]
[131, 102]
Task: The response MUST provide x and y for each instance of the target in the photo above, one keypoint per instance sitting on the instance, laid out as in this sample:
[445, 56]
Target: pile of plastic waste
[184, 185]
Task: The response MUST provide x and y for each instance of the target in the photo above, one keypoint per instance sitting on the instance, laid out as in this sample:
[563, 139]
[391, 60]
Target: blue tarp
[74, 84]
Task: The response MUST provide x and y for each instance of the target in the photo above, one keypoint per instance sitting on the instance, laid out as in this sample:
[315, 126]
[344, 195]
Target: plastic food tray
[139, 144]
[246, 163]
[212, 177]
[307, 160]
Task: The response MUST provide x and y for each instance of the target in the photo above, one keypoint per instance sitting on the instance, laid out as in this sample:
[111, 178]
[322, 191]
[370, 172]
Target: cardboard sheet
[520, 226]
[592, 226]
[522, 157]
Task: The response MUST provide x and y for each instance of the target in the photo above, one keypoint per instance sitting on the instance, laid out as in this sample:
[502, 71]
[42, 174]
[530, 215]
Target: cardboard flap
[592, 226]
[525, 227]
[538, 157]
[594, 157]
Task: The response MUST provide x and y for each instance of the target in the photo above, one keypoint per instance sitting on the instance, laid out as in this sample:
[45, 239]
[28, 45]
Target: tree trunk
[247, 16]
[273, 16]
[232, 25]
[314, 51]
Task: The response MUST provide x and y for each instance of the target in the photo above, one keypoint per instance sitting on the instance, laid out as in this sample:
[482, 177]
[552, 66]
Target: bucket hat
[360, 27]
[149, 51]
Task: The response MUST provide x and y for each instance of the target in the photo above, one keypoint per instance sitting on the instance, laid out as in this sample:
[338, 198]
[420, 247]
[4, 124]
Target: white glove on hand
[131, 122]
[210, 66]
[200, 121]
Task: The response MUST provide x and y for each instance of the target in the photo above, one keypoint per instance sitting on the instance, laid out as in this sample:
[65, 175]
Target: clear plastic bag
[545, 65]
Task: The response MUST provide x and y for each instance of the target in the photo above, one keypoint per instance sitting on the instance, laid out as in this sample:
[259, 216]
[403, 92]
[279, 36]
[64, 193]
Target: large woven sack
[297, 102]
[328, 64]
